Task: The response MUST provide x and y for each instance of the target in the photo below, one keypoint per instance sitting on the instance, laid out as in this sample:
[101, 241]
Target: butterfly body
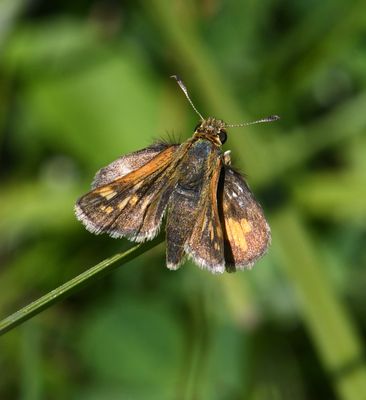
[211, 214]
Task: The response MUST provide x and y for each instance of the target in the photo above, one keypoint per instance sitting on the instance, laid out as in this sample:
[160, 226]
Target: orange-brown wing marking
[133, 205]
[246, 232]
[126, 164]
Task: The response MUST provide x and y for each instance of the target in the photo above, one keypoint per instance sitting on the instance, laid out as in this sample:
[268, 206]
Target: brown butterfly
[211, 214]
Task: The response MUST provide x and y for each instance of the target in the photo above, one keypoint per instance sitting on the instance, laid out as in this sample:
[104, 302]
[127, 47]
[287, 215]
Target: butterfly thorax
[211, 129]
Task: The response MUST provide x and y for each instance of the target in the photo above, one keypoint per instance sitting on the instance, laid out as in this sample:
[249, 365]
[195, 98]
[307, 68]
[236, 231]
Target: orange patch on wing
[245, 225]
[157, 163]
[107, 192]
[106, 209]
[213, 190]
[211, 230]
[123, 203]
[236, 230]
[133, 200]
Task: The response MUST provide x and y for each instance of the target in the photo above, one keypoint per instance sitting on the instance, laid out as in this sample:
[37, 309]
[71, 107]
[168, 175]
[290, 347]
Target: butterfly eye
[222, 136]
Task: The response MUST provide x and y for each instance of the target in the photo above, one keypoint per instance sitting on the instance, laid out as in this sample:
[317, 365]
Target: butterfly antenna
[185, 91]
[271, 118]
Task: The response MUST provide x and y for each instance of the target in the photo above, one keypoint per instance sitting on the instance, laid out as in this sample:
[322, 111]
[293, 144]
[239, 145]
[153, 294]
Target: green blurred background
[82, 82]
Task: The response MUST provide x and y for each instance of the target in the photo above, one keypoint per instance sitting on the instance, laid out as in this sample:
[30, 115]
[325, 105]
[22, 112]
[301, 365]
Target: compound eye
[222, 136]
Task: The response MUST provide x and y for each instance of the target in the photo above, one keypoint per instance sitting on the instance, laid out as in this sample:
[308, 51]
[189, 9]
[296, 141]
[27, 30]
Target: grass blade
[75, 284]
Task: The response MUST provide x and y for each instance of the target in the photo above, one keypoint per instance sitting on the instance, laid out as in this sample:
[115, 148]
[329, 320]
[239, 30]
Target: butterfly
[211, 214]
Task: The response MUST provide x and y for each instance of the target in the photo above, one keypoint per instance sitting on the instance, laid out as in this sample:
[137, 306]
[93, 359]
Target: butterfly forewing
[132, 205]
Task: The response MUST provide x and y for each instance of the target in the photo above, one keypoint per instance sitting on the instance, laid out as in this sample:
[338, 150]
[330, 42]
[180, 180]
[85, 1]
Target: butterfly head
[212, 129]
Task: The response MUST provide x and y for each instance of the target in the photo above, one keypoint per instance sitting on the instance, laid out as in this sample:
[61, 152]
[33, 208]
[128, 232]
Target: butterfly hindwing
[206, 243]
[189, 204]
[132, 205]
[246, 232]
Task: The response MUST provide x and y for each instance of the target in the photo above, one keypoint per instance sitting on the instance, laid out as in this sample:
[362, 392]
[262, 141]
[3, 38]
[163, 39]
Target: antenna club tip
[176, 77]
[274, 118]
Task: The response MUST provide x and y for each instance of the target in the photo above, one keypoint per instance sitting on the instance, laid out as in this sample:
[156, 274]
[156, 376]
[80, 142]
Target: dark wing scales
[133, 205]
[194, 172]
[206, 243]
[126, 164]
[246, 232]
[182, 208]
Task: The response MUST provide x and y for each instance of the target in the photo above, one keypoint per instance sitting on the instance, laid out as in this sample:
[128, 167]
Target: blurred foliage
[82, 82]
